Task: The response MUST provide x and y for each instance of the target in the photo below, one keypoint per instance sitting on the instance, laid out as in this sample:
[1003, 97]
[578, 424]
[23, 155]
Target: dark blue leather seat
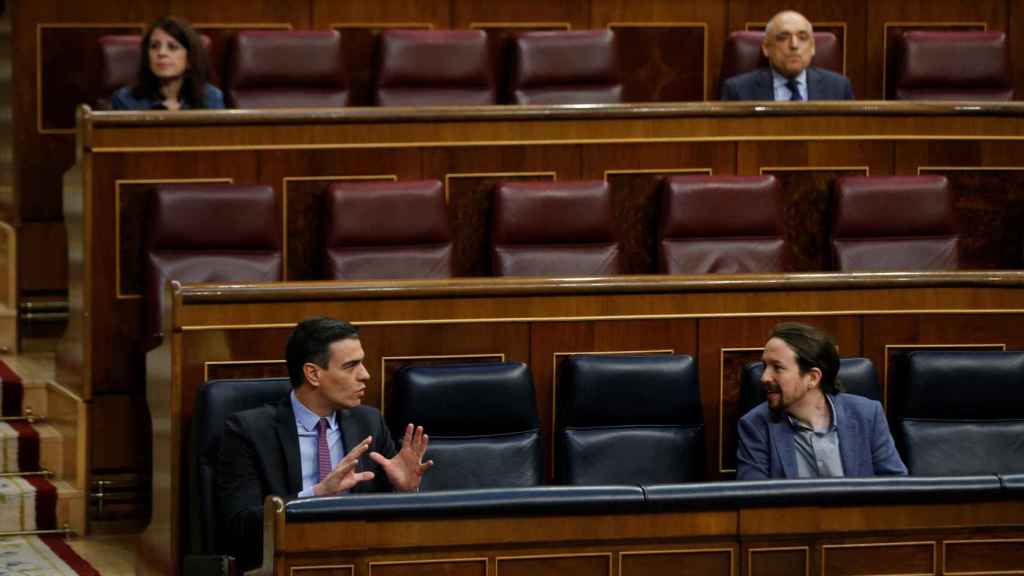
[628, 420]
[481, 419]
[962, 412]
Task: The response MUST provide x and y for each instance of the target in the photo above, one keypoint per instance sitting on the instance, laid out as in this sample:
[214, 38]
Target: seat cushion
[953, 65]
[287, 69]
[434, 68]
[565, 67]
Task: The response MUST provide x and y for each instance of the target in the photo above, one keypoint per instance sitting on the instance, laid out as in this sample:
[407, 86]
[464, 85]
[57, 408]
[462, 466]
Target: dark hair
[814, 349]
[311, 341]
[193, 82]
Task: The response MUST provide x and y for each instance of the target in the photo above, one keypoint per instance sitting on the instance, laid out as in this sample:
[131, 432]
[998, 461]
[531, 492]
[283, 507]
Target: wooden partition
[240, 331]
[123, 155]
[670, 50]
[892, 538]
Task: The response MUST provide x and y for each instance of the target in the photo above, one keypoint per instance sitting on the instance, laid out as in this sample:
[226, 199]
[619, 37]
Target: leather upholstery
[209, 233]
[434, 68]
[962, 412]
[628, 419]
[565, 67]
[743, 53]
[857, 375]
[215, 401]
[532, 235]
[894, 223]
[287, 69]
[387, 230]
[481, 419]
[953, 65]
[707, 225]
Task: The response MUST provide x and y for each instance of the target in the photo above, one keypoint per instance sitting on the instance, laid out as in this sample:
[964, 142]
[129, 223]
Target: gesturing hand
[405, 470]
[344, 475]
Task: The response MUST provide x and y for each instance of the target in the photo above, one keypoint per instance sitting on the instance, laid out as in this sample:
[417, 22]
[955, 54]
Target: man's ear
[764, 48]
[815, 375]
[312, 373]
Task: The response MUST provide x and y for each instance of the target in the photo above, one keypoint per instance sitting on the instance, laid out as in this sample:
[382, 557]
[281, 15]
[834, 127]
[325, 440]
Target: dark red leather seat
[953, 66]
[894, 223]
[554, 229]
[565, 67]
[287, 69]
[743, 53]
[722, 224]
[387, 230]
[434, 68]
[209, 233]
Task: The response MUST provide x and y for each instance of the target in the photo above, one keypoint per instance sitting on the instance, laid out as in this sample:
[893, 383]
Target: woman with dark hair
[173, 72]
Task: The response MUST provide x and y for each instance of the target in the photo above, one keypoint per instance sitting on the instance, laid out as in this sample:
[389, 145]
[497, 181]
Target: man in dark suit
[317, 441]
[789, 47]
[807, 428]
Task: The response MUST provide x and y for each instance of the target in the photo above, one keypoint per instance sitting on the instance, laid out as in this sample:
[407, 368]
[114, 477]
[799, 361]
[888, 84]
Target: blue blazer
[866, 448]
[123, 99]
[757, 85]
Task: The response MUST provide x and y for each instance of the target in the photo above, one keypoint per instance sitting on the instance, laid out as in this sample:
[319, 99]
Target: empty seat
[962, 412]
[387, 230]
[215, 402]
[743, 53]
[554, 229]
[434, 68]
[722, 224]
[565, 67]
[628, 420]
[894, 223]
[952, 65]
[287, 69]
[481, 419]
[209, 233]
[857, 376]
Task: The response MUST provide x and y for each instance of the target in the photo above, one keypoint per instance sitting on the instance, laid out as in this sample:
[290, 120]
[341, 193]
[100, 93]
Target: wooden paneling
[778, 560]
[697, 562]
[119, 433]
[995, 556]
[455, 567]
[878, 559]
[556, 565]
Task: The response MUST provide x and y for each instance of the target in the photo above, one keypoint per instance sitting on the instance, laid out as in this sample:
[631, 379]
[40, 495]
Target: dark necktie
[323, 451]
[794, 90]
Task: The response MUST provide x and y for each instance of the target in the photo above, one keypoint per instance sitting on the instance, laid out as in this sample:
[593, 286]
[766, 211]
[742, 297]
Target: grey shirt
[817, 451]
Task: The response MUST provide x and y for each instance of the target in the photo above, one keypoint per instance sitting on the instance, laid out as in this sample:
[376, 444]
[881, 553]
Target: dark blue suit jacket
[757, 85]
[865, 446]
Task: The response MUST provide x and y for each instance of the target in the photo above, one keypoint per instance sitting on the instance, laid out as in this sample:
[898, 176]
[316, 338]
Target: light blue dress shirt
[305, 424]
[782, 93]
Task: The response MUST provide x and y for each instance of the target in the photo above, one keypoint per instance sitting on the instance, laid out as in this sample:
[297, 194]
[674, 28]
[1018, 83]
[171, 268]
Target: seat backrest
[962, 412]
[119, 65]
[209, 233]
[743, 53]
[554, 229]
[624, 419]
[952, 65]
[565, 67]
[708, 226]
[287, 69]
[434, 68]
[481, 419]
[894, 223]
[387, 230]
[215, 401]
[857, 376]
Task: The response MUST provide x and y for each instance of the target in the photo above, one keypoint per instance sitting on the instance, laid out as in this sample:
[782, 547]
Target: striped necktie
[323, 451]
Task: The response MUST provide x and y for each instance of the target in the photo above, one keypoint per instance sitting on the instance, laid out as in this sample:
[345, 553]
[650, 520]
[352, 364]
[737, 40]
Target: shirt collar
[306, 418]
[798, 425]
[778, 80]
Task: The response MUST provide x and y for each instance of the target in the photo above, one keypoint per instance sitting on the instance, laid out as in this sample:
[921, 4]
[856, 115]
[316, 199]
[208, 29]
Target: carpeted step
[36, 503]
[30, 447]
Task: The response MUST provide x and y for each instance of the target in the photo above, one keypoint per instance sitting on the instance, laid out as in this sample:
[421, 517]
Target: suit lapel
[288, 437]
[782, 438]
[764, 88]
[849, 434]
[814, 88]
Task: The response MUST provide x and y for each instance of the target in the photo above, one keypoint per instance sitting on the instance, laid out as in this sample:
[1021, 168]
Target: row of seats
[306, 69]
[388, 230]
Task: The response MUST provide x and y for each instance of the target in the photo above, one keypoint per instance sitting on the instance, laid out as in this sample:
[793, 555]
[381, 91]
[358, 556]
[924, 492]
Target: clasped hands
[404, 471]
